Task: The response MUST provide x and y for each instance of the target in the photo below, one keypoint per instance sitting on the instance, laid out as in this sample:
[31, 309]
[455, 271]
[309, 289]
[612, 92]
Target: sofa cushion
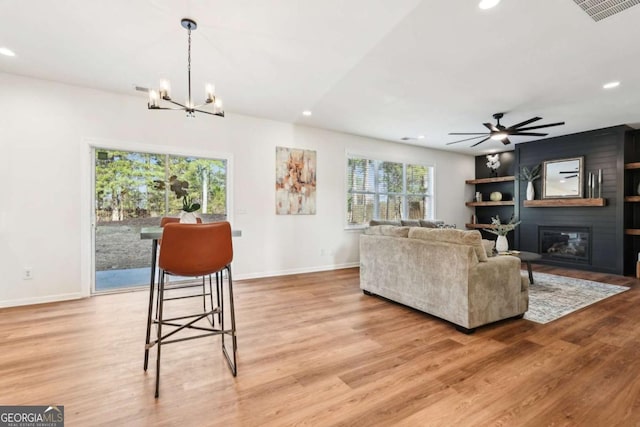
[451, 235]
[488, 247]
[375, 222]
[393, 231]
[388, 230]
[410, 222]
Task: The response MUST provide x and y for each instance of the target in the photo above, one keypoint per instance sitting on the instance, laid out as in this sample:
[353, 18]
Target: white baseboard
[40, 300]
[78, 295]
[295, 271]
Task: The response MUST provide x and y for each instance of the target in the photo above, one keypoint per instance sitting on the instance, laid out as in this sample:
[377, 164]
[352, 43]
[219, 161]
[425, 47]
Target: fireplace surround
[568, 244]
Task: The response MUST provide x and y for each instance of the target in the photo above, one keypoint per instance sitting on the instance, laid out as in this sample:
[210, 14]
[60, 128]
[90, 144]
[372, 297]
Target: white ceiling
[380, 68]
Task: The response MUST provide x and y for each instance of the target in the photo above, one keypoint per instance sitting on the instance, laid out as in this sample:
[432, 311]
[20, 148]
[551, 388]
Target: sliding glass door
[127, 199]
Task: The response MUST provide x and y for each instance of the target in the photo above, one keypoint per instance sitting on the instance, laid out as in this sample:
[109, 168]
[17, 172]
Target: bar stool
[170, 220]
[194, 250]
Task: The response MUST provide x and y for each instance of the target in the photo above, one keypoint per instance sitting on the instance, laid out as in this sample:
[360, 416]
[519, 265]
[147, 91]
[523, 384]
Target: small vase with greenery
[529, 175]
[501, 230]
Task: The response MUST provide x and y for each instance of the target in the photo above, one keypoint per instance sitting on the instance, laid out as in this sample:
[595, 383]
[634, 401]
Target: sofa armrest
[496, 290]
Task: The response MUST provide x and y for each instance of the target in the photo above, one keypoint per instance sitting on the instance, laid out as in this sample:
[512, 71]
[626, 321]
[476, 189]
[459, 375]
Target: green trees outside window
[387, 190]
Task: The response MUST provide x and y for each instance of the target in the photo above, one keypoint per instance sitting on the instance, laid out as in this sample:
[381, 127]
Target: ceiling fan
[499, 132]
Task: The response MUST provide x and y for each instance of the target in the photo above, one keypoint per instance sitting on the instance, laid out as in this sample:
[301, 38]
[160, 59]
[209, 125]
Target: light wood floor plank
[313, 350]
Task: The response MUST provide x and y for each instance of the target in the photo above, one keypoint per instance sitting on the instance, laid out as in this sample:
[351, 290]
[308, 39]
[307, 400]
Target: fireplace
[565, 244]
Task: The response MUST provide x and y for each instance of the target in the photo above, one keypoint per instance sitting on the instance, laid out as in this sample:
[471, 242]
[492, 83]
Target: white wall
[45, 129]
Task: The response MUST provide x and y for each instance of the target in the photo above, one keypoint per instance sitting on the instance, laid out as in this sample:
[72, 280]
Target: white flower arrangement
[493, 161]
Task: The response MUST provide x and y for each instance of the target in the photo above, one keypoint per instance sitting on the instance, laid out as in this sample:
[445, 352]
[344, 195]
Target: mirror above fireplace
[562, 178]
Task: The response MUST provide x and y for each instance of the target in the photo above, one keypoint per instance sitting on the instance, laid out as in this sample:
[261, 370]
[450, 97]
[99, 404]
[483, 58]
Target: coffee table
[526, 257]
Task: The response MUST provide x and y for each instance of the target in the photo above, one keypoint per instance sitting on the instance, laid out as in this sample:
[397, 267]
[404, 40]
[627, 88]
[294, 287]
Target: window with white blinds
[378, 189]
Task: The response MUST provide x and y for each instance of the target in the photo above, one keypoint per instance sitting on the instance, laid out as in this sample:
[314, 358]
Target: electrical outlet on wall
[27, 273]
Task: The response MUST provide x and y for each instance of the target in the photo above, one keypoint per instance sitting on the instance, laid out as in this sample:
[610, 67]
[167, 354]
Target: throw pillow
[488, 247]
[428, 224]
[375, 222]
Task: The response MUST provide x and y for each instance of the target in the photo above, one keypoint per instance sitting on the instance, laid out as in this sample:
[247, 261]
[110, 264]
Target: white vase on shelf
[531, 194]
[502, 244]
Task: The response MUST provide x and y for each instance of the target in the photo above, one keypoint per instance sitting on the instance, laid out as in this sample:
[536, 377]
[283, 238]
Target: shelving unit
[488, 209]
[491, 180]
[501, 203]
[631, 202]
[479, 226]
[564, 203]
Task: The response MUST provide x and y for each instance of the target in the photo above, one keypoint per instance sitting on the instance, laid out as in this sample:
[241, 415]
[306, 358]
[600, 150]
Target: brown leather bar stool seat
[194, 250]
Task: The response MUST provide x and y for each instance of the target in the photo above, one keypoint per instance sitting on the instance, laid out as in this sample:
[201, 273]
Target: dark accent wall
[485, 213]
[602, 149]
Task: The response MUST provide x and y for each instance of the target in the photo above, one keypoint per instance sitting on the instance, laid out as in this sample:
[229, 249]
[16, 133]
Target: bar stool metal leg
[232, 364]
[159, 342]
[154, 251]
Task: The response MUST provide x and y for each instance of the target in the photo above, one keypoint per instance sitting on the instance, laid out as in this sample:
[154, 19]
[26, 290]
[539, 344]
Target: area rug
[551, 296]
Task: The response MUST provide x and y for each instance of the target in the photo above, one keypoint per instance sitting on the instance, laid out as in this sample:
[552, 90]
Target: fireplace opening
[564, 243]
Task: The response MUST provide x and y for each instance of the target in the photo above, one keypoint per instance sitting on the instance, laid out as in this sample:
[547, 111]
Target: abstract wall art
[295, 181]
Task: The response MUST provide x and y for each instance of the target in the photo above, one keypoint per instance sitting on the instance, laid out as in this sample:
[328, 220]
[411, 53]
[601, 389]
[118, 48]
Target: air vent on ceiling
[601, 9]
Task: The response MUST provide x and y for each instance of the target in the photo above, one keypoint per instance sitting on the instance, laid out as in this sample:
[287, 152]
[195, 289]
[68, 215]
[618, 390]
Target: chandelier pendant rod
[189, 102]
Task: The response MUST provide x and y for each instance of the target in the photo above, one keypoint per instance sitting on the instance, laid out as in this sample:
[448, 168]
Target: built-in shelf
[479, 226]
[564, 203]
[635, 199]
[490, 180]
[635, 165]
[500, 203]
[632, 231]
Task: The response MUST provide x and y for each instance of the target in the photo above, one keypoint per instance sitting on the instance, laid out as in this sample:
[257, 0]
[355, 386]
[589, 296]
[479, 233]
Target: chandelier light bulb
[153, 99]
[165, 89]
[209, 90]
[218, 105]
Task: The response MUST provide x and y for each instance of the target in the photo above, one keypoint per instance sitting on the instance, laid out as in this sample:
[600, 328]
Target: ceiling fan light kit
[164, 92]
[499, 132]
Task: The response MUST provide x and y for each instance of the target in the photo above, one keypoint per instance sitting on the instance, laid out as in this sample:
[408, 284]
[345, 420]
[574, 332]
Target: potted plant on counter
[181, 190]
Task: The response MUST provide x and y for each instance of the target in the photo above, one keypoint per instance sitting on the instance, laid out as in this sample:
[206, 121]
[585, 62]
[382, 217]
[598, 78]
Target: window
[126, 200]
[387, 190]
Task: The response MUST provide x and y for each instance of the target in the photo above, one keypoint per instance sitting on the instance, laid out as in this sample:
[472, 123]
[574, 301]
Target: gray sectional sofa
[443, 272]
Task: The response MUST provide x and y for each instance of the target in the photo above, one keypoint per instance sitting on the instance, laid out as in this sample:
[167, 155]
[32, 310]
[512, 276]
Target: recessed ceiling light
[6, 51]
[306, 113]
[488, 4]
[420, 136]
[610, 85]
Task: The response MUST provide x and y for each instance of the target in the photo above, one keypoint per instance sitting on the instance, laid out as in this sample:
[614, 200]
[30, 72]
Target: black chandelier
[164, 92]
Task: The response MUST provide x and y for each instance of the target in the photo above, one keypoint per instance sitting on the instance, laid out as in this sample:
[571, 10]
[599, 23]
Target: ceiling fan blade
[541, 126]
[491, 127]
[526, 122]
[529, 133]
[506, 141]
[478, 143]
[467, 139]
[468, 133]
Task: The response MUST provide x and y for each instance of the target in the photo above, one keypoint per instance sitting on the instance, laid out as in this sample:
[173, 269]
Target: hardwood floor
[313, 350]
